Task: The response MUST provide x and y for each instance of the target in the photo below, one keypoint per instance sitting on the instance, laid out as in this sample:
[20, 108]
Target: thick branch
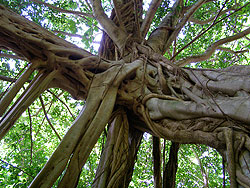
[29, 39]
[149, 16]
[9, 96]
[115, 33]
[12, 56]
[159, 37]
[51, 52]
[170, 170]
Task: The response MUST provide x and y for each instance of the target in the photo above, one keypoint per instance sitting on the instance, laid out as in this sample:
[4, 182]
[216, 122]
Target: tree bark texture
[154, 95]
[117, 161]
[157, 162]
[169, 173]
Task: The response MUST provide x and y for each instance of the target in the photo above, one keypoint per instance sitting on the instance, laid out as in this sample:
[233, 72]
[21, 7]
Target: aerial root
[94, 128]
[242, 143]
[194, 97]
[31, 93]
[7, 99]
[241, 178]
[149, 122]
[153, 95]
[163, 83]
[113, 161]
[228, 133]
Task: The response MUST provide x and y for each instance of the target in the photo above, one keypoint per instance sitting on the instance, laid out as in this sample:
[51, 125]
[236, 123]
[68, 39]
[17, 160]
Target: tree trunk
[169, 173]
[119, 154]
[157, 162]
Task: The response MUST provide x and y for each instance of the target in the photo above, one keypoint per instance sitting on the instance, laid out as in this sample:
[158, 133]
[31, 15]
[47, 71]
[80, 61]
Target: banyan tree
[141, 80]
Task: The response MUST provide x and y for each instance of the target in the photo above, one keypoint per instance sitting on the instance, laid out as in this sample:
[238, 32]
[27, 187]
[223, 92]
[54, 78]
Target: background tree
[135, 83]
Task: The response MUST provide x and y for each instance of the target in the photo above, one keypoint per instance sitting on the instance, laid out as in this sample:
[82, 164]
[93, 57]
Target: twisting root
[243, 140]
[149, 122]
[162, 80]
[243, 184]
[145, 113]
[153, 95]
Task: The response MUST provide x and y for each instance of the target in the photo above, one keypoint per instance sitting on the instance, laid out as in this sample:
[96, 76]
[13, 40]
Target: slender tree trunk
[157, 162]
[169, 173]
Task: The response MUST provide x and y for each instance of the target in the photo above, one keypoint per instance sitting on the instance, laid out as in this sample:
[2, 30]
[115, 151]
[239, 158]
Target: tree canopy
[124, 93]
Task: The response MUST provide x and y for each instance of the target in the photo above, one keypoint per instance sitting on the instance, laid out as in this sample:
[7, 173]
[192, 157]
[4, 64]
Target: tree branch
[35, 88]
[232, 51]
[16, 168]
[78, 13]
[203, 22]
[62, 102]
[149, 16]
[12, 56]
[46, 116]
[118, 13]
[202, 170]
[6, 78]
[160, 35]
[30, 40]
[202, 33]
[118, 36]
[210, 50]
[170, 169]
[9, 95]
[183, 21]
[76, 35]
[31, 139]
[68, 34]
[157, 161]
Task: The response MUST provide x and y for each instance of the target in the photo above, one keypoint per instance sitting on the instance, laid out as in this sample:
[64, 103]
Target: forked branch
[203, 22]
[211, 49]
[183, 21]
[206, 30]
[118, 35]
[47, 118]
